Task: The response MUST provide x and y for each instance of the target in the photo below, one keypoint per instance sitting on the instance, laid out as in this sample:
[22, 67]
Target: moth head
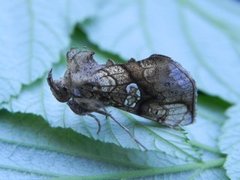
[58, 88]
[78, 57]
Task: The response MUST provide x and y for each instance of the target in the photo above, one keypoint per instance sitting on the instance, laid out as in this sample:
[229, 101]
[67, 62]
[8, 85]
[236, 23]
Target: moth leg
[58, 89]
[104, 112]
[122, 126]
[78, 109]
[97, 120]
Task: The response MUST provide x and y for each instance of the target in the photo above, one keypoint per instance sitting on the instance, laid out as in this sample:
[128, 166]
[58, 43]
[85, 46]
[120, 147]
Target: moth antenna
[122, 126]
[97, 120]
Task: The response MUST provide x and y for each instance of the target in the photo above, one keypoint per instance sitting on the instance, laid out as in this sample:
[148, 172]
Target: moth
[156, 88]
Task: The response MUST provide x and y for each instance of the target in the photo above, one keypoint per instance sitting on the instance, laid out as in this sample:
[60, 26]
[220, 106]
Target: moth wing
[157, 88]
[115, 84]
[172, 90]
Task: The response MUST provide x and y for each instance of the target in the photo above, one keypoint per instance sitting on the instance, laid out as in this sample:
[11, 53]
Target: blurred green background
[41, 138]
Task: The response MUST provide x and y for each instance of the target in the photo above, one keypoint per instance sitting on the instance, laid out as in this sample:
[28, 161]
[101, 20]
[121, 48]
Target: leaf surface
[30, 149]
[230, 142]
[32, 35]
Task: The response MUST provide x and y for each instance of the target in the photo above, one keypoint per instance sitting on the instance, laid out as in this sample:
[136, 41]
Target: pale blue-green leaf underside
[32, 35]
[230, 142]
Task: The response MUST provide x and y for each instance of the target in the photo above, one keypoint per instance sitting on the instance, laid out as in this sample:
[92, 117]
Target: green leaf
[210, 115]
[161, 173]
[38, 99]
[203, 36]
[172, 146]
[30, 149]
[36, 32]
[232, 163]
[230, 142]
[32, 35]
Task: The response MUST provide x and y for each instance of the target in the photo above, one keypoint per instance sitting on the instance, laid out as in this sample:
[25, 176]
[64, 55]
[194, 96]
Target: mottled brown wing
[116, 88]
[171, 89]
[156, 88]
